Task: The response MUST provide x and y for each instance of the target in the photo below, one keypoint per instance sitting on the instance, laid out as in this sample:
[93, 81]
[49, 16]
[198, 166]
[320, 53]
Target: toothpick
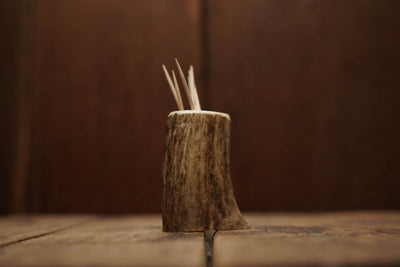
[178, 93]
[192, 86]
[171, 85]
[185, 85]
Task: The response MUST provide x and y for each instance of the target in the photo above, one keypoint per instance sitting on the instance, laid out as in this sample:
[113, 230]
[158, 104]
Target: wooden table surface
[276, 239]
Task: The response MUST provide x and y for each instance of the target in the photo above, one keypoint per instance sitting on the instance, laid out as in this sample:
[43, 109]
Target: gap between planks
[46, 239]
[339, 238]
[45, 233]
[209, 246]
[207, 235]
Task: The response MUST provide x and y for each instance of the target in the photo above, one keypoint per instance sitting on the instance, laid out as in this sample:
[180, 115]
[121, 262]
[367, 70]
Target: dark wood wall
[313, 90]
[9, 25]
[312, 87]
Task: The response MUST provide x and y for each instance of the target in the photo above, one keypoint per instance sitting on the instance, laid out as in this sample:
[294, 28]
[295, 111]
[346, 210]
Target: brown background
[312, 87]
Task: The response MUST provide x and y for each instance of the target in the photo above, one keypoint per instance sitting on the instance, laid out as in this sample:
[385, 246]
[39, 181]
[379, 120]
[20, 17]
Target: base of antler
[197, 193]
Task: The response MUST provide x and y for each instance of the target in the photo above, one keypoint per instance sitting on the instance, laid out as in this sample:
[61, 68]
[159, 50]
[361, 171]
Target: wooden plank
[10, 27]
[110, 241]
[311, 87]
[101, 101]
[324, 239]
[21, 227]
[25, 74]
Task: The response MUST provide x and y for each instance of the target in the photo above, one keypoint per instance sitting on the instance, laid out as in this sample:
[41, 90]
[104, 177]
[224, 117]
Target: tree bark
[197, 193]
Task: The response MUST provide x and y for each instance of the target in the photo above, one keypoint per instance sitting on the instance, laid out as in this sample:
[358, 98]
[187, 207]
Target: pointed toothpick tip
[185, 85]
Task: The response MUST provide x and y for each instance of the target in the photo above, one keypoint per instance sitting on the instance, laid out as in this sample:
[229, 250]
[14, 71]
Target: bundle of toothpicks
[190, 89]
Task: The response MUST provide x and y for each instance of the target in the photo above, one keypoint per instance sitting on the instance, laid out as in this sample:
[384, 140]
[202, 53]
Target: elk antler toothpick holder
[197, 193]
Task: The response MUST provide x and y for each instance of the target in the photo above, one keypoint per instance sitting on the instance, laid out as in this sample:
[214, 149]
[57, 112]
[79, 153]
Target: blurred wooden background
[312, 87]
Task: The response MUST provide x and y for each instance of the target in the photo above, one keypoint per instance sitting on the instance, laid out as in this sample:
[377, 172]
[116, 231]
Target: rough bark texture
[197, 188]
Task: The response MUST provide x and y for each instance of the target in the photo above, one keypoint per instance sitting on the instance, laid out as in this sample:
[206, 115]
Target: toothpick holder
[197, 193]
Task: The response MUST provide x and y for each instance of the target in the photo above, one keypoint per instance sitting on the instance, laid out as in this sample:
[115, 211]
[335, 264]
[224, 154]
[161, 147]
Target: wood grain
[197, 188]
[312, 89]
[311, 86]
[95, 145]
[109, 241]
[17, 228]
[320, 239]
[368, 238]
[10, 17]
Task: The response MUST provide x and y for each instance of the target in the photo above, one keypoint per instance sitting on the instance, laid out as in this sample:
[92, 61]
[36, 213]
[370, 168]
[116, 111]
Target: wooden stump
[197, 193]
